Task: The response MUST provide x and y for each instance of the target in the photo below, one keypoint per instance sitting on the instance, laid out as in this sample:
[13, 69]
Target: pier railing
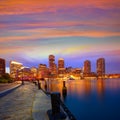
[69, 114]
[57, 102]
[65, 109]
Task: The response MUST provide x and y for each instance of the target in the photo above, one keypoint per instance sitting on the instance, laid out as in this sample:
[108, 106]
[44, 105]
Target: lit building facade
[101, 67]
[87, 68]
[25, 73]
[2, 66]
[61, 69]
[61, 72]
[69, 70]
[52, 65]
[14, 68]
[51, 62]
[76, 72]
[60, 63]
[34, 72]
[42, 71]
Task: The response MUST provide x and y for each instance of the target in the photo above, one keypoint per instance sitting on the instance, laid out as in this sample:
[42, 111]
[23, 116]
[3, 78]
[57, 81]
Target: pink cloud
[55, 33]
[2, 26]
[24, 6]
[64, 24]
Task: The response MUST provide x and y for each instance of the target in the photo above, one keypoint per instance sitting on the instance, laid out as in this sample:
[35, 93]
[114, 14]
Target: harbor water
[90, 99]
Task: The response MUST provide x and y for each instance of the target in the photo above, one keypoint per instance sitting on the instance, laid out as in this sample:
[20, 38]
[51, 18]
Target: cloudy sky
[75, 30]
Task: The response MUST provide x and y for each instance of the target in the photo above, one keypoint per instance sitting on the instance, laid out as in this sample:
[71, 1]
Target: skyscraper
[87, 68]
[42, 71]
[52, 65]
[61, 69]
[14, 67]
[2, 66]
[101, 67]
[60, 63]
[34, 72]
[51, 62]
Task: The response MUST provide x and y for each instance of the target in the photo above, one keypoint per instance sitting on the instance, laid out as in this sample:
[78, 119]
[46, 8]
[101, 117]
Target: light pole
[39, 84]
[22, 77]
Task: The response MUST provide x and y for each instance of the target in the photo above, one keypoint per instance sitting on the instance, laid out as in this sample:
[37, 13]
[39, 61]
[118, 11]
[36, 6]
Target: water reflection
[100, 83]
[87, 87]
[83, 87]
[101, 96]
[64, 91]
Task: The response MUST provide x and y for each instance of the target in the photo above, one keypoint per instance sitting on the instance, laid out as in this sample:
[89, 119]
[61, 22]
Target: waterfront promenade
[5, 86]
[17, 105]
[26, 102]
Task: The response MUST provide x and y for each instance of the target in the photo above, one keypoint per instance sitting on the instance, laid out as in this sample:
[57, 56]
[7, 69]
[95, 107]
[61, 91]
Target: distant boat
[68, 78]
[42, 79]
[71, 79]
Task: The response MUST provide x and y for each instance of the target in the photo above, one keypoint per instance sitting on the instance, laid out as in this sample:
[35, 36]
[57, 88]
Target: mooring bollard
[55, 101]
[56, 113]
[39, 85]
[35, 82]
[45, 85]
[64, 90]
[64, 84]
[22, 82]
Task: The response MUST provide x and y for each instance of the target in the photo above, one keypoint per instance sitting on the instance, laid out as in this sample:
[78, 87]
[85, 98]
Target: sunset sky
[75, 30]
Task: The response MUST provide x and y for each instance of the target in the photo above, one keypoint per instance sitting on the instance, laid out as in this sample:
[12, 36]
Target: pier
[29, 101]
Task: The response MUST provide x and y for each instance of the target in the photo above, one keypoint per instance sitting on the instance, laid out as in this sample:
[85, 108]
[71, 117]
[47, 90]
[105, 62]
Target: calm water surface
[91, 99]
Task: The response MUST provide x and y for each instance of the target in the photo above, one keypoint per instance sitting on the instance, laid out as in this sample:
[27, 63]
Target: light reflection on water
[91, 99]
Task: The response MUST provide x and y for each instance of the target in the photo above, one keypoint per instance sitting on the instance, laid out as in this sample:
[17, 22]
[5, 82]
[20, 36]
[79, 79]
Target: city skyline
[19, 71]
[59, 65]
[74, 30]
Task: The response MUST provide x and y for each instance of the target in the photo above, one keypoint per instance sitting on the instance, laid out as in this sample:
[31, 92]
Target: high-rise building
[61, 69]
[51, 62]
[87, 68]
[14, 68]
[42, 71]
[2, 66]
[34, 72]
[52, 65]
[101, 67]
[60, 63]
[55, 69]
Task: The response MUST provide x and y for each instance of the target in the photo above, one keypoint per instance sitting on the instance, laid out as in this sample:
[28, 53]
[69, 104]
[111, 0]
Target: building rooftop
[61, 59]
[14, 62]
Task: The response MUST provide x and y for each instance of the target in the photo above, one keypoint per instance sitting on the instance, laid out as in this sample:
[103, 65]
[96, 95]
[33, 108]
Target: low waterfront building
[24, 73]
[42, 71]
[14, 68]
[34, 72]
[61, 72]
[2, 67]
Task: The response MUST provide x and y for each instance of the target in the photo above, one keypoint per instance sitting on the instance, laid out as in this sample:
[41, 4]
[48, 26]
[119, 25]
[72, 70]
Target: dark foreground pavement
[17, 105]
[25, 103]
[5, 86]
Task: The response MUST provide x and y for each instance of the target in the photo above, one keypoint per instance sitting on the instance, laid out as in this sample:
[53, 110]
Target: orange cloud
[55, 33]
[8, 50]
[48, 33]
[25, 6]
[110, 23]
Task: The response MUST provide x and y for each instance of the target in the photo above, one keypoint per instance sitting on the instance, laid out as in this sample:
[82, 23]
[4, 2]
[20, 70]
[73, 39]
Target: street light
[22, 75]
